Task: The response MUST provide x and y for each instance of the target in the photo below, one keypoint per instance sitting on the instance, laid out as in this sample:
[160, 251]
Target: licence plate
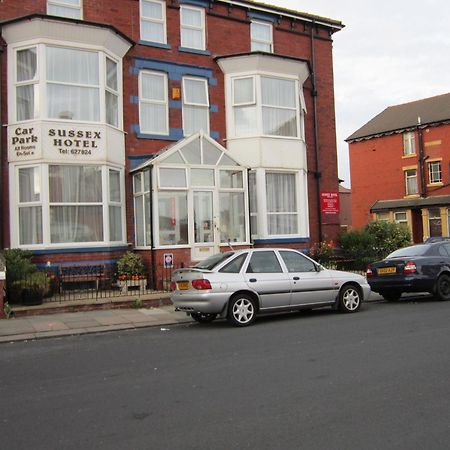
[387, 270]
[183, 285]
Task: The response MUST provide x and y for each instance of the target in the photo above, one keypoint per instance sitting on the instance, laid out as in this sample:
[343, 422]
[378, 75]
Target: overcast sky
[390, 52]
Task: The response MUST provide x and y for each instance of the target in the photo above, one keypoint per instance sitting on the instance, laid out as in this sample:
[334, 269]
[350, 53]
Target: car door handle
[296, 278]
[252, 280]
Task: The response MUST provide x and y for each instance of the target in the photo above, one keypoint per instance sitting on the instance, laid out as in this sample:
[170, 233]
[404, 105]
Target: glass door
[205, 228]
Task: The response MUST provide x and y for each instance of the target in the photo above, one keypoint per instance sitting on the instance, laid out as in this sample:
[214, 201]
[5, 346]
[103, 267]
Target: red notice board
[329, 202]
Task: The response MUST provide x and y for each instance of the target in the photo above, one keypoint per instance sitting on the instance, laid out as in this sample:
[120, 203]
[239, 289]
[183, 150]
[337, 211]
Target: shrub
[18, 267]
[130, 266]
[322, 251]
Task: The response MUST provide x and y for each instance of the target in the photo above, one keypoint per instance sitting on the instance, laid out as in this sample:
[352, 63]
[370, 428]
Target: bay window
[266, 106]
[153, 21]
[281, 203]
[53, 82]
[66, 204]
[64, 8]
[195, 105]
[153, 103]
[192, 27]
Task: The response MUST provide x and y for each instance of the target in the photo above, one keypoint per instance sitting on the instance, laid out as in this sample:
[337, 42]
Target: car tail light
[173, 286]
[369, 272]
[201, 284]
[410, 267]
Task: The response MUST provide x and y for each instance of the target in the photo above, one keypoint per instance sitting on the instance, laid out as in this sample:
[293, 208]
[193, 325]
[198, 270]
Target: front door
[206, 239]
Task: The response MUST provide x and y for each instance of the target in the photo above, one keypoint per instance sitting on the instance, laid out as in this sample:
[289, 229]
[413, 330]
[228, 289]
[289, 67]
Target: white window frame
[65, 4]
[115, 203]
[434, 176]
[409, 143]
[33, 81]
[140, 195]
[161, 21]
[201, 28]
[112, 91]
[401, 221]
[164, 102]
[256, 41]
[408, 177]
[259, 106]
[46, 206]
[198, 105]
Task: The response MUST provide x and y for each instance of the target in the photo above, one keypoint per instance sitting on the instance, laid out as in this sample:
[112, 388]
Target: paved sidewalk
[73, 323]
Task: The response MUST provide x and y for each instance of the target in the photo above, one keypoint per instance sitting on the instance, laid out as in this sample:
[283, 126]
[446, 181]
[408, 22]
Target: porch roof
[410, 203]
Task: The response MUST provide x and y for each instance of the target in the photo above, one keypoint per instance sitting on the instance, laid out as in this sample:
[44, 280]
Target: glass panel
[29, 185]
[30, 225]
[226, 161]
[114, 186]
[111, 74]
[26, 64]
[195, 91]
[191, 17]
[232, 217]
[152, 31]
[203, 217]
[76, 224]
[172, 177]
[147, 215]
[261, 47]
[245, 120]
[75, 184]
[152, 10]
[195, 118]
[278, 92]
[146, 175]
[191, 152]
[25, 102]
[211, 154]
[153, 87]
[173, 218]
[174, 159]
[297, 263]
[231, 179]
[434, 220]
[260, 31]
[62, 11]
[192, 38]
[115, 223]
[244, 91]
[139, 220]
[264, 262]
[137, 183]
[153, 118]
[235, 265]
[112, 109]
[279, 122]
[202, 177]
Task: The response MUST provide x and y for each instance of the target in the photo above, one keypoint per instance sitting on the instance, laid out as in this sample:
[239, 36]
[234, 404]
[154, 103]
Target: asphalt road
[378, 379]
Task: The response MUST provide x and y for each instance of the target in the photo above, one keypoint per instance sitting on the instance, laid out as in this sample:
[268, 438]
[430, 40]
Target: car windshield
[212, 261]
[414, 250]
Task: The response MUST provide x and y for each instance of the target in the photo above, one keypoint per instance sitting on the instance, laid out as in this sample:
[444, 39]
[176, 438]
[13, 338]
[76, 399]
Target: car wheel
[443, 287]
[391, 296]
[349, 298]
[203, 317]
[241, 311]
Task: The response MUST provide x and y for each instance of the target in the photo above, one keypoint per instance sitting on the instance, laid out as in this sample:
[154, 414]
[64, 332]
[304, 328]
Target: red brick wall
[376, 169]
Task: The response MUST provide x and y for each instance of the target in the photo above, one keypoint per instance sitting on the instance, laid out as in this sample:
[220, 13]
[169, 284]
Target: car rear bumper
[403, 284]
[199, 301]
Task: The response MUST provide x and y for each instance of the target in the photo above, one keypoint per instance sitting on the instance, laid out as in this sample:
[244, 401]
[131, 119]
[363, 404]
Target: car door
[309, 283]
[264, 275]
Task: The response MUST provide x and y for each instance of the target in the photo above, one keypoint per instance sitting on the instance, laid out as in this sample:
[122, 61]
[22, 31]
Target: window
[71, 84]
[141, 191]
[30, 206]
[26, 83]
[261, 37]
[192, 27]
[411, 181]
[64, 8]
[265, 106]
[434, 222]
[195, 106]
[409, 143]
[297, 263]
[401, 218]
[253, 203]
[264, 262]
[153, 21]
[153, 101]
[282, 216]
[115, 206]
[435, 172]
[383, 217]
[173, 218]
[235, 265]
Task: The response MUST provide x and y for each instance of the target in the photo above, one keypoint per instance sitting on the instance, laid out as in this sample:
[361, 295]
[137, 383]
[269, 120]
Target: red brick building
[399, 164]
[177, 126]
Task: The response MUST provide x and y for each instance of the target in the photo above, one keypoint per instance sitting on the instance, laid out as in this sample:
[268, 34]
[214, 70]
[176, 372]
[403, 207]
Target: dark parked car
[418, 268]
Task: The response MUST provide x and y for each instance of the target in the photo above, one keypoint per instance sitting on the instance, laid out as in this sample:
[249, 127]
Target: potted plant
[131, 272]
[34, 288]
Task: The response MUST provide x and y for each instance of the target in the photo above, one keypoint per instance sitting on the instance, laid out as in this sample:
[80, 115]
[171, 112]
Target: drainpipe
[423, 184]
[317, 173]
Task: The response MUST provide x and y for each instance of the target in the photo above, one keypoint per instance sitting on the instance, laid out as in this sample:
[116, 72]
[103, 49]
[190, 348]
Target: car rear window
[214, 260]
[414, 250]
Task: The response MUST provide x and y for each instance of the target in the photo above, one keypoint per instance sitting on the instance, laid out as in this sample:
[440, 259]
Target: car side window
[295, 262]
[264, 262]
[447, 248]
[235, 265]
[442, 251]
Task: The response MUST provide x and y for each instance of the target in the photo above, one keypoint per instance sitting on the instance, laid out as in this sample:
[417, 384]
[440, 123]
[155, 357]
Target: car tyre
[241, 311]
[442, 288]
[350, 298]
[203, 317]
[391, 296]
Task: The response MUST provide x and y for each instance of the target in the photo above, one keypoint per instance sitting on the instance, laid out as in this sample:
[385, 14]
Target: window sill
[194, 50]
[81, 248]
[154, 44]
[437, 184]
[412, 155]
[411, 196]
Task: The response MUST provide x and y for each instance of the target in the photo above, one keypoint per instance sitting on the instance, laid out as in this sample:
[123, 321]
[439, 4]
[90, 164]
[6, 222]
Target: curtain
[30, 225]
[232, 217]
[26, 71]
[153, 105]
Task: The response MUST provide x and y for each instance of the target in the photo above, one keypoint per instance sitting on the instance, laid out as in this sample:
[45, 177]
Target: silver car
[240, 284]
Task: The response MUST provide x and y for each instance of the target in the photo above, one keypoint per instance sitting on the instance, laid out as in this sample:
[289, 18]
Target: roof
[399, 118]
[410, 203]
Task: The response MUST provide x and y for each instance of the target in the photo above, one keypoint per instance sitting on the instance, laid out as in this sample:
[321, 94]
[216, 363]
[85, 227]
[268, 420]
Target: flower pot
[32, 297]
